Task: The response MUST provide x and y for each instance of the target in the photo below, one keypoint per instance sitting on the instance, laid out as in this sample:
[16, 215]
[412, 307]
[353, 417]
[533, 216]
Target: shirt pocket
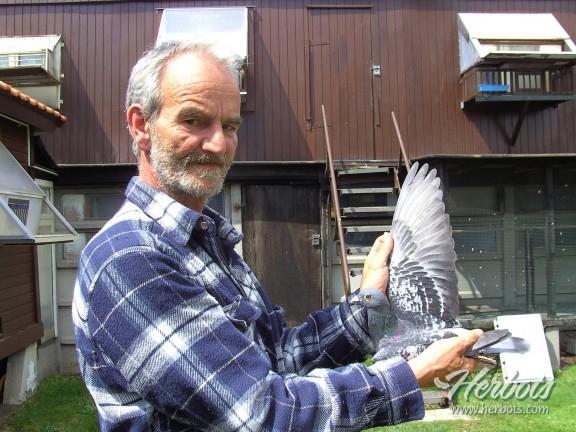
[242, 314]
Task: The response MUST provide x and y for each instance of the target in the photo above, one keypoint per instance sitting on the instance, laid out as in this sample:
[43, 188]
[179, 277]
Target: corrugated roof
[31, 102]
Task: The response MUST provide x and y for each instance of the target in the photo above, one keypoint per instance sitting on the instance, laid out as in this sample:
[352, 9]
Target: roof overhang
[13, 107]
[18, 105]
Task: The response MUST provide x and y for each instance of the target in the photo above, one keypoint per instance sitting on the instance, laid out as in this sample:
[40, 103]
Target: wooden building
[504, 143]
[27, 307]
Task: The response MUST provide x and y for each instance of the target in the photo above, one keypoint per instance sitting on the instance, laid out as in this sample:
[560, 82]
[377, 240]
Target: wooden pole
[336, 204]
[402, 149]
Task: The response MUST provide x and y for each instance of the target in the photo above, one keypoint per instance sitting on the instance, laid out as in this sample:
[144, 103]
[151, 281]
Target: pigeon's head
[373, 297]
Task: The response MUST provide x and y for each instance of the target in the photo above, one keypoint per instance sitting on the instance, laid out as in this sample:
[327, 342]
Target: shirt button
[203, 225]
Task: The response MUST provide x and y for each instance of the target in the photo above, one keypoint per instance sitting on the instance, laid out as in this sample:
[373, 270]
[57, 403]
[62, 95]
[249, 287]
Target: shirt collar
[176, 219]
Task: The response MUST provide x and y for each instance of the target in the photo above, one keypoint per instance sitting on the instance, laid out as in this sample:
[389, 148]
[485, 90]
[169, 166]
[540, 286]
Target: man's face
[194, 136]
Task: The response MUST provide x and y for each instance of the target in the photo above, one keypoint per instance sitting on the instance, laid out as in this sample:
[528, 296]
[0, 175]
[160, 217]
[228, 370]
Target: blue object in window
[494, 88]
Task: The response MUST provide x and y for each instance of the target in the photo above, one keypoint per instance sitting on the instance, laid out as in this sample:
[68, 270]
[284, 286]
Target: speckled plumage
[423, 288]
[421, 305]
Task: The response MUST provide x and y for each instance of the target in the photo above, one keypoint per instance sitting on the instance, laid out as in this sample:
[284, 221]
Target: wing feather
[423, 283]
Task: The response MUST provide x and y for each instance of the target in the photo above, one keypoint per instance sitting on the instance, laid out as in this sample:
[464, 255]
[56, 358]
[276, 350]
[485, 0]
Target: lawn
[561, 416]
[61, 404]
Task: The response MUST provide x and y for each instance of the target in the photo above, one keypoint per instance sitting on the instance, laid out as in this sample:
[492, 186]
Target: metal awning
[26, 214]
[514, 37]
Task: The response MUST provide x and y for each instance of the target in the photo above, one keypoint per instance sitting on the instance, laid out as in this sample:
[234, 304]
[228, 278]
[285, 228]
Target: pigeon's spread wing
[423, 285]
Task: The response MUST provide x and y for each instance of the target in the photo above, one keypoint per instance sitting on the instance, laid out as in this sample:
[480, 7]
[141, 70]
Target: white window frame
[50, 196]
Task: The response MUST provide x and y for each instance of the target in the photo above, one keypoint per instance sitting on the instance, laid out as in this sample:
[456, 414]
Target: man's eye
[192, 121]
[230, 128]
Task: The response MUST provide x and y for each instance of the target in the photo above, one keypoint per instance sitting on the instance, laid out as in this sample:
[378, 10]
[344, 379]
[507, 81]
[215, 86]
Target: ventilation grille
[20, 208]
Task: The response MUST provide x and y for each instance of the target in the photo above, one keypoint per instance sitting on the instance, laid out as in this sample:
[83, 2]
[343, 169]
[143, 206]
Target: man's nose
[215, 140]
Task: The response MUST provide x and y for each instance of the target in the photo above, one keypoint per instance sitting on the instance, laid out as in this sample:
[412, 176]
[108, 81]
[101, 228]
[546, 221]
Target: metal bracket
[316, 240]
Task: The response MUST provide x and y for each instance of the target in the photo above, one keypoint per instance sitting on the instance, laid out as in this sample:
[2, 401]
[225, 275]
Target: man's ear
[139, 127]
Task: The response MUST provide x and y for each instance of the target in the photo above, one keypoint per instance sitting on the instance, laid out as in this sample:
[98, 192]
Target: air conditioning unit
[33, 64]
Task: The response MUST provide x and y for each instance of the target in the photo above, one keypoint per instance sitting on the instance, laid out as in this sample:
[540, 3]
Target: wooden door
[340, 77]
[280, 223]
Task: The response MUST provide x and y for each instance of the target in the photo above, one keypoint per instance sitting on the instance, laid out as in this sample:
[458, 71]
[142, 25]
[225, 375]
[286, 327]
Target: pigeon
[421, 302]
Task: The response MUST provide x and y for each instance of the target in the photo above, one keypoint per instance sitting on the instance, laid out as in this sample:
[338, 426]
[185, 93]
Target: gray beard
[189, 175]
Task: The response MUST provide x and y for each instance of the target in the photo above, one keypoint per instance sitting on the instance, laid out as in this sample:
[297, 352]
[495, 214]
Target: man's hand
[375, 272]
[443, 357]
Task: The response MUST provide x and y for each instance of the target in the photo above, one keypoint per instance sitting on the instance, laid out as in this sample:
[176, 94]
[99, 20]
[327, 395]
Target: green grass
[561, 415]
[61, 404]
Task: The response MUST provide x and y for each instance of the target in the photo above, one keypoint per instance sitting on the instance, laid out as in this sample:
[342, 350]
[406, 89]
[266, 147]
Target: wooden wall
[19, 315]
[414, 41]
[14, 137]
[17, 293]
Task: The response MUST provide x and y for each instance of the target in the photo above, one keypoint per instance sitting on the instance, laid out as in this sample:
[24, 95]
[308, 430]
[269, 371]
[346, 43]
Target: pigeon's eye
[368, 296]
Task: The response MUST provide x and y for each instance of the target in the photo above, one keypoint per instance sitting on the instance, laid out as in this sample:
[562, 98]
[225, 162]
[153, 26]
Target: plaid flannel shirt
[174, 333]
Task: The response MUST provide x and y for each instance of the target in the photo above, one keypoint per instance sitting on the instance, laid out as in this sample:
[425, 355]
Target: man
[174, 331]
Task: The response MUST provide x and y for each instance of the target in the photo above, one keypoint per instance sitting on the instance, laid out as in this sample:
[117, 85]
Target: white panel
[65, 326]
[66, 277]
[46, 282]
[533, 365]
[513, 26]
[28, 43]
[226, 29]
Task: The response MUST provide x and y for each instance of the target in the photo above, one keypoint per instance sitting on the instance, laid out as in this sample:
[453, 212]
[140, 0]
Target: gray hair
[146, 75]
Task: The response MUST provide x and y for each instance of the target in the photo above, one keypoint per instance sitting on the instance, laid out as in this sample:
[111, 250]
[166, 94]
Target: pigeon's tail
[512, 344]
[496, 342]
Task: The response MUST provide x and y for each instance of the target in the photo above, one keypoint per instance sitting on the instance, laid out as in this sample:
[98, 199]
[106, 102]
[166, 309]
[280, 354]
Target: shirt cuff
[354, 317]
[405, 401]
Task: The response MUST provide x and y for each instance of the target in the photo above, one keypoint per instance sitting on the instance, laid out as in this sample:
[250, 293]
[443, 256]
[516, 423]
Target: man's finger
[382, 246]
[471, 337]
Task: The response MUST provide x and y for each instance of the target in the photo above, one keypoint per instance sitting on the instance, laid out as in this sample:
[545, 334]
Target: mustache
[200, 157]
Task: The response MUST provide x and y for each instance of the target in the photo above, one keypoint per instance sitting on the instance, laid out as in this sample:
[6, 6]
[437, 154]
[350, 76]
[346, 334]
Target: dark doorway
[280, 223]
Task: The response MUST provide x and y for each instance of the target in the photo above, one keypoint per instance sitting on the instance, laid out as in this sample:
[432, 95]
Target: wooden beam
[401, 142]
[338, 6]
[336, 206]
[20, 340]
[549, 241]
[519, 123]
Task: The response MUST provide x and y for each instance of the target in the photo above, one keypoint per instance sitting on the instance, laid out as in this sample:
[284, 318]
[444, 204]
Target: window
[226, 29]
[476, 221]
[87, 211]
